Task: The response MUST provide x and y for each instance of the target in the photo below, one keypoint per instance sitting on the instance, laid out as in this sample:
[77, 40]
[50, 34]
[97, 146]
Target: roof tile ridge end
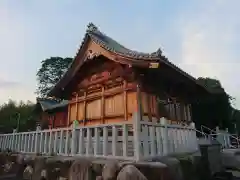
[158, 53]
[92, 28]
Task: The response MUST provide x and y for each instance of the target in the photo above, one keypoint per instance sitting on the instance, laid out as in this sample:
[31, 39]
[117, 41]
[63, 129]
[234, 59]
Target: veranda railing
[223, 137]
[131, 140]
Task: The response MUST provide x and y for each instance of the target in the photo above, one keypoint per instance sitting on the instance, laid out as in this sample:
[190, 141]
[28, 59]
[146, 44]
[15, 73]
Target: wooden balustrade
[128, 141]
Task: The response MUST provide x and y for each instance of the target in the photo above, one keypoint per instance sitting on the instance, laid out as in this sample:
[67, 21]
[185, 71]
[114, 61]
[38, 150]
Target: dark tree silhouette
[50, 72]
[15, 115]
[216, 109]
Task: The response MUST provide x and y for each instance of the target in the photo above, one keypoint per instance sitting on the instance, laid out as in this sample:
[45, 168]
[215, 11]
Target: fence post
[217, 133]
[105, 141]
[67, 142]
[163, 122]
[194, 137]
[1, 142]
[218, 136]
[36, 139]
[50, 145]
[136, 134]
[25, 143]
[227, 138]
[73, 142]
[19, 142]
[13, 143]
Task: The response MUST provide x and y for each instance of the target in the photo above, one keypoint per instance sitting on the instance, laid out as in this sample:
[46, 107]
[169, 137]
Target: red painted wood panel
[57, 119]
[60, 119]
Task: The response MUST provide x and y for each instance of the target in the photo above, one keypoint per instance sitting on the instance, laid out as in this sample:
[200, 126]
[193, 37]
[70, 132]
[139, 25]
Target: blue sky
[202, 37]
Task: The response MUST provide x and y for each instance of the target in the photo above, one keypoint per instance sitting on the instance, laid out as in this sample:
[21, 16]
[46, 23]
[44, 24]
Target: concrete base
[231, 158]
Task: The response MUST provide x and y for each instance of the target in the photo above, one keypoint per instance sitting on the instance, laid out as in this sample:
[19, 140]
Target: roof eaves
[51, 91]
[61, 105]
[98, 37]
[166, 61]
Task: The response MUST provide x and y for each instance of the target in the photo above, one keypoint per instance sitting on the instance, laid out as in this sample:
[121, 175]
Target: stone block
[81, 170]
[173, 165]
[110, 170]
[211, 159]
[130, 172]
[39, 166]
[151, 170]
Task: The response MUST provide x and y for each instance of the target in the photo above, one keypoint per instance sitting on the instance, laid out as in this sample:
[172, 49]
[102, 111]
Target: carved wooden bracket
[92, 54]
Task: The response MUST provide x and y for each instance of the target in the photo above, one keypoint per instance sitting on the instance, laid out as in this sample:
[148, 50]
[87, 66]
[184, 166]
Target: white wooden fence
[223, 137]
[131, 140]
[226, 139]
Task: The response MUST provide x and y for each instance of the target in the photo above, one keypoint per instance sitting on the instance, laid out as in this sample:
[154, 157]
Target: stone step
[9, 177]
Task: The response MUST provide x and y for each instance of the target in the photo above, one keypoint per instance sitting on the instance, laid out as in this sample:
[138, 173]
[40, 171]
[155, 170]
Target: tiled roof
[109, 44]
[50, 104]
[63, 103]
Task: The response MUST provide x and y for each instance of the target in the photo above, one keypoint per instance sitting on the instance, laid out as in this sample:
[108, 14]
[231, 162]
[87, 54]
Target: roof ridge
[108, 43]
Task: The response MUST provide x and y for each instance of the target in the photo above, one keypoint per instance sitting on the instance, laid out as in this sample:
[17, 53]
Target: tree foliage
[235, 117]
[216, 109]
[50, 72]
[11, 111]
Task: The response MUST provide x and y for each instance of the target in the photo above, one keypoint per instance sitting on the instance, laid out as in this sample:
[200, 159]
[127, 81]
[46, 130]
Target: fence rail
[226, 139]
[133, 140]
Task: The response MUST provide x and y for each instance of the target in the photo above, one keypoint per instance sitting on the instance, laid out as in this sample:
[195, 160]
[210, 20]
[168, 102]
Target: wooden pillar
[125, 100]
[175, 110]
[102, 106]
[156, 106]
[54, 120]
[149, 106]
[189, 112]
[181, 110]
[185, 112]
[169, 103]
[69, 113]
[139, 102]
[76, 106]
[85, 108]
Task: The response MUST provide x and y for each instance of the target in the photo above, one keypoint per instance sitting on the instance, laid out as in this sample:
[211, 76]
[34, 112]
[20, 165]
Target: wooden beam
[130, 87]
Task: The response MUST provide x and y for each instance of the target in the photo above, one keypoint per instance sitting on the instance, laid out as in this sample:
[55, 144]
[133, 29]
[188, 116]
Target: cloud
[8, 84]
[208, 43]
[17, 93]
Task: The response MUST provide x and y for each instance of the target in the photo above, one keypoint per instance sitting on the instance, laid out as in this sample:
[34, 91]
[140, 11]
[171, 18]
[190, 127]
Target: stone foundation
[38, 167]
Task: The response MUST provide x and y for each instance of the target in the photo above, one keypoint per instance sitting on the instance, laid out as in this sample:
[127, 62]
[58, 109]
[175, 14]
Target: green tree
[50, 72]
[15, 115]
[215, 110]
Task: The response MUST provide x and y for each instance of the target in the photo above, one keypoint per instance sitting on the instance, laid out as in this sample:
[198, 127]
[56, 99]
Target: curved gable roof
[109, 44]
